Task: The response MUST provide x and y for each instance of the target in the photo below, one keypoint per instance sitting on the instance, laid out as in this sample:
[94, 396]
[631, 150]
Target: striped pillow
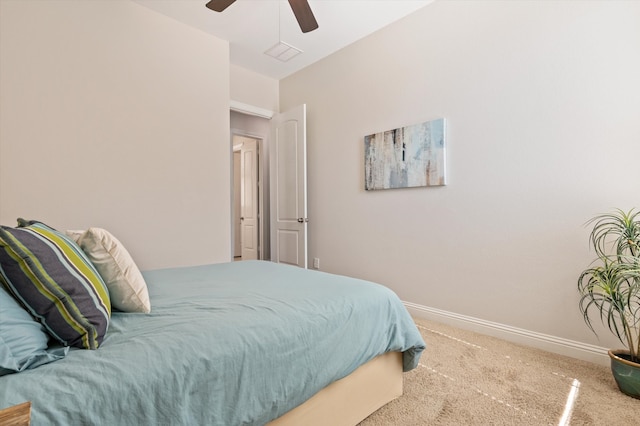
[54, 280]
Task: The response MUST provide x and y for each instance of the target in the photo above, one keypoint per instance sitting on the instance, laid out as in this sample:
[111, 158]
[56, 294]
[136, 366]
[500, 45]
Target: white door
[237, 211]
[249, 199]
[288, 177]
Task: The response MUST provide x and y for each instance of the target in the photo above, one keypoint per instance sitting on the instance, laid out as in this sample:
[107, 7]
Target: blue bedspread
[228, 344]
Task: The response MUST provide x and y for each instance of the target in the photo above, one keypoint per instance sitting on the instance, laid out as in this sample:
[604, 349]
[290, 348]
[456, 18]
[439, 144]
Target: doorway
[280, 139]
[246, 184]
[288, 244]
[251, 126]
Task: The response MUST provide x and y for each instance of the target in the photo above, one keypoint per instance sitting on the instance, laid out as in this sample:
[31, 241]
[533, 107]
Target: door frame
[263, 191]
[263, 179]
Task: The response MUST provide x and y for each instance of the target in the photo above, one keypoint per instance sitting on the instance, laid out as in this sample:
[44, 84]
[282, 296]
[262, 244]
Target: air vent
[282, 51]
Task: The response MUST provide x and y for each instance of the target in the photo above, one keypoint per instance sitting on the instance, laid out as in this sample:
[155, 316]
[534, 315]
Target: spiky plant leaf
[611, 289]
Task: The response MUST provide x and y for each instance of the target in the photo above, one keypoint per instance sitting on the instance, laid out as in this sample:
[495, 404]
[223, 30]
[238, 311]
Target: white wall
[542, 101]
[253, 89]
[115, 116]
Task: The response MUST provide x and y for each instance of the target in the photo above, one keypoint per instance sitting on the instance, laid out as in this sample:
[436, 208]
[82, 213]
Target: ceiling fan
[300, 8]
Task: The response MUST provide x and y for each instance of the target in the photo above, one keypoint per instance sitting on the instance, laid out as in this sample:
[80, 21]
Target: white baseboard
[579, 350]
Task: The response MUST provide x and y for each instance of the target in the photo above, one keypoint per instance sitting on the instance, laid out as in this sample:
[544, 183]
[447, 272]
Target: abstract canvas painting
[406, 157]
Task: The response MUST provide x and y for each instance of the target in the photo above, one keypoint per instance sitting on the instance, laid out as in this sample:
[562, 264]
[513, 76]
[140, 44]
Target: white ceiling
[254, 26]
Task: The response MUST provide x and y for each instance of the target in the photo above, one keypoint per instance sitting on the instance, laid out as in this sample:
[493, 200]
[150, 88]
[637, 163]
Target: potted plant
[610, 289]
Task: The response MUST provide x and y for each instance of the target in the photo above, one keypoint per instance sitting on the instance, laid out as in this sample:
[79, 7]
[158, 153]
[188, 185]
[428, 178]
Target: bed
[241, 343]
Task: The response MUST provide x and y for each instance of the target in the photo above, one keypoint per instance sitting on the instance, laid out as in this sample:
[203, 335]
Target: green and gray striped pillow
[53, 279]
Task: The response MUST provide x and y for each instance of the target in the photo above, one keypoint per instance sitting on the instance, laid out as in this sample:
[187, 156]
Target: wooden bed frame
[350, 400]
[18, 415]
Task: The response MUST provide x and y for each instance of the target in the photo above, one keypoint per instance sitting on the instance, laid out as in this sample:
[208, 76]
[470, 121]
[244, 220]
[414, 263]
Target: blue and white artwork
[406, 157]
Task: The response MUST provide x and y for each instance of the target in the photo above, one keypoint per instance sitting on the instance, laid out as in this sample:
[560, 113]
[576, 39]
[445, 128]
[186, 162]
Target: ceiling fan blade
[219, 5]
[304, 15]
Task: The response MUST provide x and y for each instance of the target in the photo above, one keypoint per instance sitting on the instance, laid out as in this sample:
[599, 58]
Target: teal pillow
[55, 281]
[23, 341]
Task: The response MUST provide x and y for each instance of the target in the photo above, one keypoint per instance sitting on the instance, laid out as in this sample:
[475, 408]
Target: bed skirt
[350, 400]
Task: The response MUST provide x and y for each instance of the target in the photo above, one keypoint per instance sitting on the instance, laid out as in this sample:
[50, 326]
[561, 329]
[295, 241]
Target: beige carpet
[465, 378]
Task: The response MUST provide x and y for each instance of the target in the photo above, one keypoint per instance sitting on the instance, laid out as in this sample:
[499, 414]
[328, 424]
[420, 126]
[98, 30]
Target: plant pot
[626, 373]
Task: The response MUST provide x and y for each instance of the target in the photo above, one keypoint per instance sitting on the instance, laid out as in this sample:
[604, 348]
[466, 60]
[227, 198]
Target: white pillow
[127, 288]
